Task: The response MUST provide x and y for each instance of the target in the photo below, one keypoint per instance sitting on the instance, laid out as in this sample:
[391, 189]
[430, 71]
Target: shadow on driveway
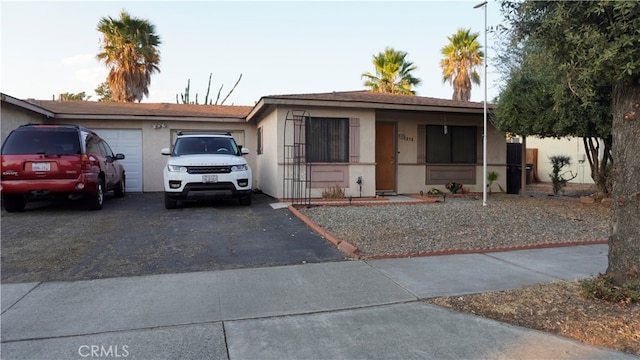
[137, 236]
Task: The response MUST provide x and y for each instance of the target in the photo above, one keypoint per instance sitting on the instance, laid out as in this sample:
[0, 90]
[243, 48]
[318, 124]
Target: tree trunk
[599, 165]
[624, 238]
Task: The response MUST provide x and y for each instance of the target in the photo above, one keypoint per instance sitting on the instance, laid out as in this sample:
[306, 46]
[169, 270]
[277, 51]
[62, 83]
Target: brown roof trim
[25, 105]
[230, 113]
[151, 111]
[368, 100]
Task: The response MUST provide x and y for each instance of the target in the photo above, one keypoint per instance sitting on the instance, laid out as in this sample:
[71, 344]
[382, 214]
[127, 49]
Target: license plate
[209, 178]
[44, 166]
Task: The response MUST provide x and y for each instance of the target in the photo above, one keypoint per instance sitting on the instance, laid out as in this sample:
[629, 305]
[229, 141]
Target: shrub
[456, 187]
[334, 192]
[601, 287]
[491, 177]
[557, 178]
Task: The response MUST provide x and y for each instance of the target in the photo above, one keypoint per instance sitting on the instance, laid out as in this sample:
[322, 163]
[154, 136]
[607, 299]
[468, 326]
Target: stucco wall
[572, 147]
[271, 163]
[365, 167]
[12, 116]
[266, 174]
[411, 176]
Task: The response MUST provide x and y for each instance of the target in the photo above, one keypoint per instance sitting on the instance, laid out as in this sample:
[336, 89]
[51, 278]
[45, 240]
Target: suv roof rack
[222, 132]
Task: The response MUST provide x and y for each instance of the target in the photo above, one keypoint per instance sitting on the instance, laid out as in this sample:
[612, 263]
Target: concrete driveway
[137, 236]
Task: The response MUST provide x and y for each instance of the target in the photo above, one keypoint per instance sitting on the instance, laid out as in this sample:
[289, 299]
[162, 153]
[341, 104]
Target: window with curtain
[327, 139]
[456, 145]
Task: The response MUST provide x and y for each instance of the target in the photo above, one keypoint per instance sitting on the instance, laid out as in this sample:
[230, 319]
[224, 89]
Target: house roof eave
[25, 105]
[258, 109]
[266, 103]
[148, 118]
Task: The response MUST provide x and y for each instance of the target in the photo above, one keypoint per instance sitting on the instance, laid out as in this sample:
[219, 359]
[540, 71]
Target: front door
[385, 157]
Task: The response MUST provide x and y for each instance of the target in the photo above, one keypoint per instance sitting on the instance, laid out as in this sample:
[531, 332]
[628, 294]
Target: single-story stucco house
[366, 143]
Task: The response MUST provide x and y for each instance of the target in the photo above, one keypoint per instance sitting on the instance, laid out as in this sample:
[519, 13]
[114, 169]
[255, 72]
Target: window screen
[327, 139]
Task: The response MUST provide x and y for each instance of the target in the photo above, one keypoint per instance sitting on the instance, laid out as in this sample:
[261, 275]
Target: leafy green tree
[393, 73]
[596, 43]
[537, 101]
[104, 92]
[130, 51]
[73, 97]
[462, 56]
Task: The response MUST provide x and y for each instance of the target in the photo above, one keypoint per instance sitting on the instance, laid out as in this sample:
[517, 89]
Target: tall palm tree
[393, 73]
[130, 51]
[462, 56]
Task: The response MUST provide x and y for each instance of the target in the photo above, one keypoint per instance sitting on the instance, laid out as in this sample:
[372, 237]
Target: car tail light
[84, 163]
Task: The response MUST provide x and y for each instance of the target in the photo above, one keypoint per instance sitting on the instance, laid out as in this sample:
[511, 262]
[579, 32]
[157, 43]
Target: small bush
[491, 177]
[435, 191]
[601, 287]
[456, 187]
[334, 192]
[557, 178]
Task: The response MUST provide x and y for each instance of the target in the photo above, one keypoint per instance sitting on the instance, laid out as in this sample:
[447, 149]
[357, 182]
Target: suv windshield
[51, 141]
[205, 145]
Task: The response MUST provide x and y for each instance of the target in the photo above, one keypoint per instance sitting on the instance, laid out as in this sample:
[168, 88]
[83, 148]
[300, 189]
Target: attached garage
[129, 143]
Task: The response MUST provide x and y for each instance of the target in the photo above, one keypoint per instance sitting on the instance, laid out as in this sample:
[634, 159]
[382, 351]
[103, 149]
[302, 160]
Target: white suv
[206, 167]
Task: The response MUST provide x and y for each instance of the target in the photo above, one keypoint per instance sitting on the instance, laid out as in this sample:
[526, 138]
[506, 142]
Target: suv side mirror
[165, 151]
[244, 151]
[119, 157]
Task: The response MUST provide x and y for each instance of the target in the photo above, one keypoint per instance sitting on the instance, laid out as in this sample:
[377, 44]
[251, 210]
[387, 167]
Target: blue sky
[289, 47]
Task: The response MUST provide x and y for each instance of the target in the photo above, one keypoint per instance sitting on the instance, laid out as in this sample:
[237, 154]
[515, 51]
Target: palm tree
[393, 73]
[462, 56]
[130, 52]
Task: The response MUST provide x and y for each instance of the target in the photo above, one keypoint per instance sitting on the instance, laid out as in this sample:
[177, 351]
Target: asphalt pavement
[136, 236]
[334, 310]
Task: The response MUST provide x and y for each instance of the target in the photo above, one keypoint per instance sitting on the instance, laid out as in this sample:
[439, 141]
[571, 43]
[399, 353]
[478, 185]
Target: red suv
[58, 161]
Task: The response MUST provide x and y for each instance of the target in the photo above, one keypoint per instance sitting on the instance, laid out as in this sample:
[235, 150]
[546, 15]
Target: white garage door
[129, 143]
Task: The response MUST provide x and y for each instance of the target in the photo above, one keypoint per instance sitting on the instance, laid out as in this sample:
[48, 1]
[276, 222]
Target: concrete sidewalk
[337, 310]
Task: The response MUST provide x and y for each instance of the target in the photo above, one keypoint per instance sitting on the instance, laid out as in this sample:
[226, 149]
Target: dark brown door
[385, 156]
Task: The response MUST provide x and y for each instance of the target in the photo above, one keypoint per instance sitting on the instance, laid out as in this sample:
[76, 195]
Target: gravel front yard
[463, 223]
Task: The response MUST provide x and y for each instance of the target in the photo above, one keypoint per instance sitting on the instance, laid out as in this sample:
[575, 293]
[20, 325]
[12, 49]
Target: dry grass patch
[559, 308]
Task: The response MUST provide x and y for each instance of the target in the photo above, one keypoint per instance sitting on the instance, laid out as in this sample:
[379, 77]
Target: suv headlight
[177, 168]
[242, 167]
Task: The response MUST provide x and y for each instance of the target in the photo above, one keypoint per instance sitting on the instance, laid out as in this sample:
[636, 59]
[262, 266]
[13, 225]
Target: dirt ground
[559, 308]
